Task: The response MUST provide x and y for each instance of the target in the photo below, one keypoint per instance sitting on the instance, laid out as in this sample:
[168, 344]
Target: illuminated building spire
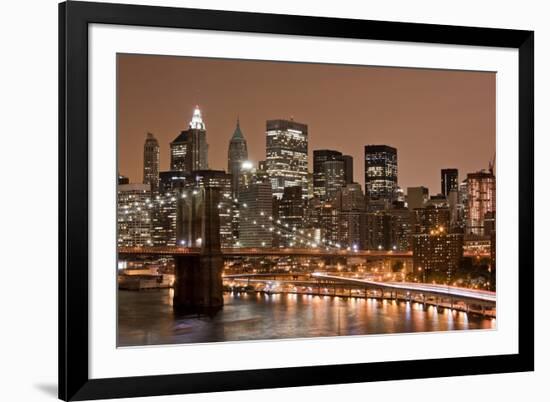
[196, 122]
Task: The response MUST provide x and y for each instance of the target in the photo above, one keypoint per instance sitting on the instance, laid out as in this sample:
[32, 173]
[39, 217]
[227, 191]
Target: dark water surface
[146, 318]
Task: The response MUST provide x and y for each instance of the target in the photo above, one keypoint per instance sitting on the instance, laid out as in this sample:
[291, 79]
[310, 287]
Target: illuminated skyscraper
[291, 213]
[449, 181]
[189, 151]
[481, 199]
[340, 172]
[236, 155]
[151, 162]
[380, 172]
[255, 208]
[286, 155]
[320, 156]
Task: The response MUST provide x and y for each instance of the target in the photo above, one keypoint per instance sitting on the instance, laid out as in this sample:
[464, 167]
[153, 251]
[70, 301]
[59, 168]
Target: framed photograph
[258, 201]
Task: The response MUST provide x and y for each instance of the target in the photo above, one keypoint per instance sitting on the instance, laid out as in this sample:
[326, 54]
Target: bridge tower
[198, 284]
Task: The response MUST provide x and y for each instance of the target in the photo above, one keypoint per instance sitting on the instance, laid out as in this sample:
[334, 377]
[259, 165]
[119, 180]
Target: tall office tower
[291, 214]
[417, 197]
[380, 172]
[334, 177]
[286, 155]
[220, 180]
[255, 208]
[320, 156]
[348, 168]
[189, 151]
[437, 254]
[481, 199]
[133, 215]
[237, 154]
[151, 162]
[449, 181]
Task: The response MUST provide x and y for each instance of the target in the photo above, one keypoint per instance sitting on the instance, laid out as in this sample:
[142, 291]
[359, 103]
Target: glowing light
[196, 122]
[247, 165]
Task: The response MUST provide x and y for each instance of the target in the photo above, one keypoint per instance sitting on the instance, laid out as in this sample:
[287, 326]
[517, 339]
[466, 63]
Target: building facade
[380, 172]
[133, 215]
[348, 168]
[334, 177]
[417, 197]
[255, 208]
[437, 255]
[320, 156]
[481, 187]
[286, 155]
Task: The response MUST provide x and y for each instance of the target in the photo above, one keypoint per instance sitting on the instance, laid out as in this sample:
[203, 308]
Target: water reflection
[146, 318]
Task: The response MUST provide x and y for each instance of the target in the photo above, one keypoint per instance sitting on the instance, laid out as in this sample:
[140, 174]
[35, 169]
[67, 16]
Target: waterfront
[147, 318]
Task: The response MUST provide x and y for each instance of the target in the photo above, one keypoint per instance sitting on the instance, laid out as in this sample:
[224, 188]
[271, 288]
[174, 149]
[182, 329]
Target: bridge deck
[440, 290]
[260, 251]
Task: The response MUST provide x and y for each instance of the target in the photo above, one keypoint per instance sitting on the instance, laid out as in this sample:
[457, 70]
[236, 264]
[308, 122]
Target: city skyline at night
[337, 186]
[432, 116]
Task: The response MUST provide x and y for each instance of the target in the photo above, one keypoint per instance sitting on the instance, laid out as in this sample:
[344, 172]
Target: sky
[435, 118]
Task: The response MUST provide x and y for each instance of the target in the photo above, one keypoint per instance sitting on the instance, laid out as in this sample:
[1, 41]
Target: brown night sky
[435, 118]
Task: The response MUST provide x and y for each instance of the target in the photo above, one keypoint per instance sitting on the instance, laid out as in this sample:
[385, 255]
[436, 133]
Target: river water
[147, 318]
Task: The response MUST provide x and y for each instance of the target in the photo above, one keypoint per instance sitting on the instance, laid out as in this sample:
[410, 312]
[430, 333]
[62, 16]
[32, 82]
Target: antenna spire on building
[196, 121]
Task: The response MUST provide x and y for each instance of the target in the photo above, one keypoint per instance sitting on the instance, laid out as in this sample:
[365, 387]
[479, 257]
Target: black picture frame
[74, 381]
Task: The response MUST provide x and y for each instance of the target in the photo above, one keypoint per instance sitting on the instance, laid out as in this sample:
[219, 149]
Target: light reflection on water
[146, 318]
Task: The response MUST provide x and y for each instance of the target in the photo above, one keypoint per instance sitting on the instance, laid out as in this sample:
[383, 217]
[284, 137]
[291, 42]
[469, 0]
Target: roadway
[424, 288]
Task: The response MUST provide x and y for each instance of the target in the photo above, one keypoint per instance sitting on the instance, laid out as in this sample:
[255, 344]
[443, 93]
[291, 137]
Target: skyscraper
[236, 155]
[348, 168]
[286, 155]
[320, 156]
[449, 181]
[291, 213]
[481, 199]
[350, 202]
[189, 151]
[151, 162]
[380, 172]
[255, 208]
[334, 177]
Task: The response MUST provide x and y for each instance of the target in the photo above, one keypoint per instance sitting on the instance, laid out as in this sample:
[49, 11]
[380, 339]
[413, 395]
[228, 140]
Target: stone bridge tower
[198, 285]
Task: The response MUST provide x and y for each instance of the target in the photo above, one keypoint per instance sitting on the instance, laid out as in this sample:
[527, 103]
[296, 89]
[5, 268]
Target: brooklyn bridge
[198, 285]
